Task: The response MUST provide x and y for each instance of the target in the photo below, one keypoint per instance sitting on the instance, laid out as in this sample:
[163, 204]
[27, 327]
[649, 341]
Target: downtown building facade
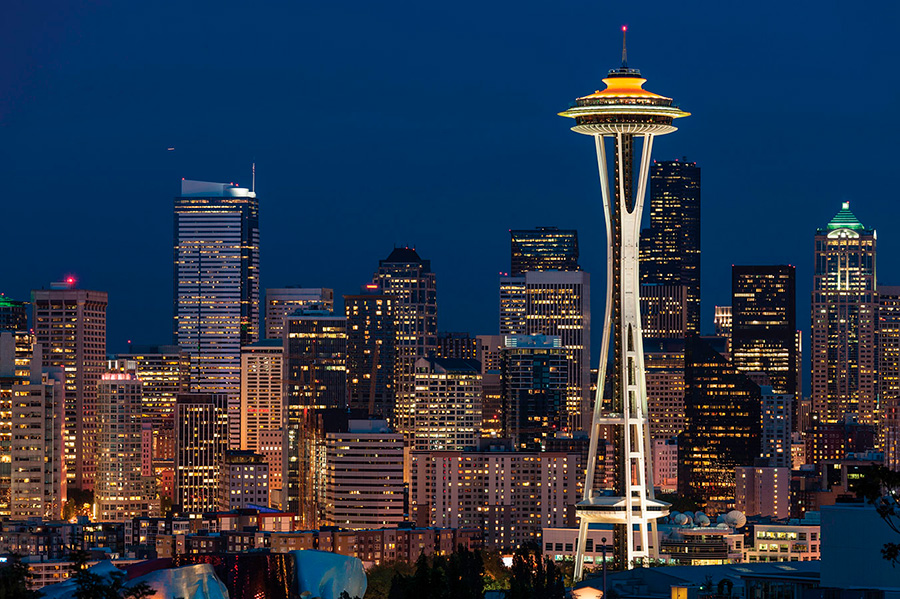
[283, 301]
[201, 438]
[243, 480]
[543, 248]
[164, 371]
[407, 278]
[364, 485]
[555, 303]
[216, 303]
[508, 495]
[33, 481]
[723, 427]
[764, 329]
[448, 404]
[262, 391]
[844, 307]
[889, 373]
[372, 340]
[121, 491]
[70, 326]
[315, 345]
[534, 374]
[670, 252]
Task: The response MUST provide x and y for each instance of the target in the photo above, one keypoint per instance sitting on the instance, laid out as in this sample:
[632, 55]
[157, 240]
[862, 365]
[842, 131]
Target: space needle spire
[626, 117]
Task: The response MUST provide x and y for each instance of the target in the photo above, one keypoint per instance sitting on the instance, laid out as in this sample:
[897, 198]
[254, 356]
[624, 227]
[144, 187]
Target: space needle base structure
[626, 117]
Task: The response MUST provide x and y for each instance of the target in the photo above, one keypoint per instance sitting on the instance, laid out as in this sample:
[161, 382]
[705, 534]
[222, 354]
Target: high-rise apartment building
[889, 373]
[364, 476]
[33, 469]
[284, 301]
[844, 306]
[664, 370]
[120, 490]
[70, 324]
[508, 495]
[372, 339]
[764, 328]
[534, 375]
[448, 404]
[164, 371]
[201, 438]
[315, 343]
[13, 314]
[670, 247]
[262, 391]
[543, 248]
[407, 278]
[723, 424]
[763, 491]
[556, 304]
[216, 286]
[243, 480]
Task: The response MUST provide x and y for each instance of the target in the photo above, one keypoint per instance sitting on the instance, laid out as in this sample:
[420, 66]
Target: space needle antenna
[624, 50]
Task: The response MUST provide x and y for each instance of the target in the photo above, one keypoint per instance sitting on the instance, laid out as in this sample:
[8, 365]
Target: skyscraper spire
[624, 50]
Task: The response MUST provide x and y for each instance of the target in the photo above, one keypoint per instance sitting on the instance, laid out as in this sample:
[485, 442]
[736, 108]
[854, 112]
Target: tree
[881, 487]
[533, 576]
[381, 577]
[496, 574]
[14, 580]
[90, 585]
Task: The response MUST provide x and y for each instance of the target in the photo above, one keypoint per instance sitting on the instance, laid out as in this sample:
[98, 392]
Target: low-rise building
[785, 541]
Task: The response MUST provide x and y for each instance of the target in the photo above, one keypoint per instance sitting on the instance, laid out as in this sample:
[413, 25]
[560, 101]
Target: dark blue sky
[429, 124]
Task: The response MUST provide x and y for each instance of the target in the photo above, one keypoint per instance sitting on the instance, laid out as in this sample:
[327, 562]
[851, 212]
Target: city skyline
[789, 183]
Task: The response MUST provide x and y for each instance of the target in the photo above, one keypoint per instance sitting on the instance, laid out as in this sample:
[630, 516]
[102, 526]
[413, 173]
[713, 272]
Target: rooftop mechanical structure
[629, 117]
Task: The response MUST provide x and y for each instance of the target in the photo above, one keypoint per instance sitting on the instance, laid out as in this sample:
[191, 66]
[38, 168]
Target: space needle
[624, 113]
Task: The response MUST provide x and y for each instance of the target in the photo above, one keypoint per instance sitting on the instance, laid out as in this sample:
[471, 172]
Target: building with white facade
[216, 302]
[364, 476]
[447, 412]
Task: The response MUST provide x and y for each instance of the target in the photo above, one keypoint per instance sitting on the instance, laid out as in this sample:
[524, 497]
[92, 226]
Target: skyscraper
[448, 404]
[764, 326]
[543, 248]
[534, 376]
[372, 339]
[555, 303]
[217, 286]
[285, 301]
[889, 373]
[70, 324]
[625, 112]
[164, 371]
[315, 345]
[119, 493]
[201, 438]
[723, 427]
[262, 391]
[670, 247]
[844, 306]
[407, 278]
[32, 458]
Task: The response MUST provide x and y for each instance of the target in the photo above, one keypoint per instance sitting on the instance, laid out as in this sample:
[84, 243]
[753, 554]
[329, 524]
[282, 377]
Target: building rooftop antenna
[253, 182]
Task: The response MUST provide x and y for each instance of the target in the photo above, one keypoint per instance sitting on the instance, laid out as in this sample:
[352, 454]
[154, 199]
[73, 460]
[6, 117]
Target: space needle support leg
[604, 354]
